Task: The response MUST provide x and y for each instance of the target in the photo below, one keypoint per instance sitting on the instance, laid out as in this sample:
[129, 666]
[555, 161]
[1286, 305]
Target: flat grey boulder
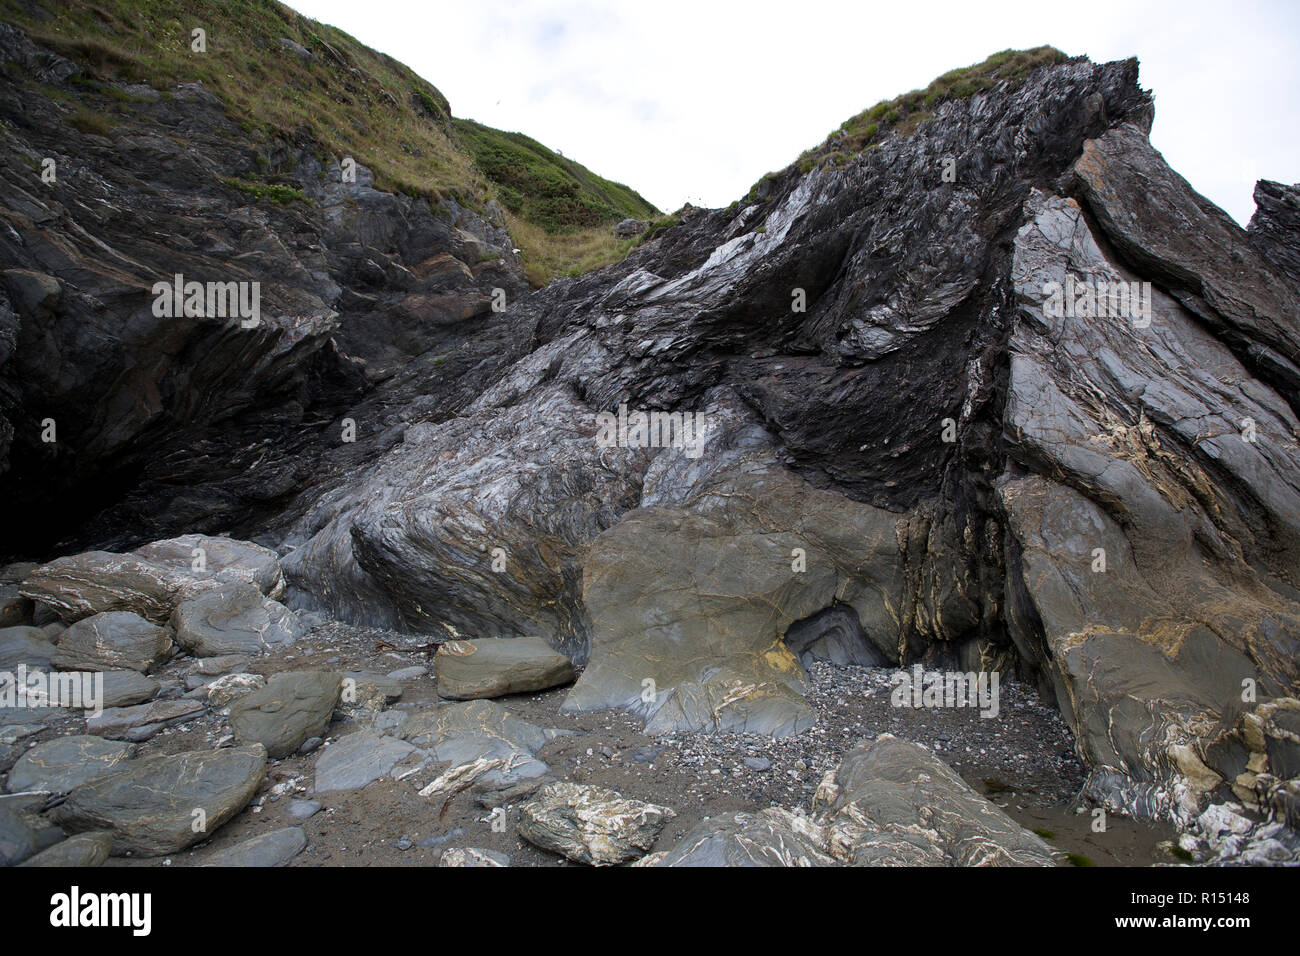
[124, 688]
[142, 721]
[18, 840]
[233, 619]
[494, 667]
[112, 640]
[292, 707]
[590, 824]
[166, 802]
[65, 763]
[152, 580]
[358, 760]
[472, 856]
[265, 850]
[24, 645]
[83, 849]
[480, 729]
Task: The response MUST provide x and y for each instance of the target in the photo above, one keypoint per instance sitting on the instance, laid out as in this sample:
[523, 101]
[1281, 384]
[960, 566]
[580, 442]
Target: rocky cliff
[991, 388]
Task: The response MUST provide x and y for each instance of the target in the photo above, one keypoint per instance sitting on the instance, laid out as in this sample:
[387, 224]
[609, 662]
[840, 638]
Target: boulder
[143, 721]
[591, 824]
[494, 667]
[112, 640]
[276, 848]
[24, 645]
[18, 840]
[166, 802]
[14, 608]
[65, 763]
[770, 837]
[480, 729]
[81, 850]
[358, 760]
[292, 707]
[233, 619]
[124, 688]
[230, 688]
[152, 580]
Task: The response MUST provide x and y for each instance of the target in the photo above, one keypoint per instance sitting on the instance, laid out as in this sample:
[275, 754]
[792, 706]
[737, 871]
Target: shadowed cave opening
[835, 635]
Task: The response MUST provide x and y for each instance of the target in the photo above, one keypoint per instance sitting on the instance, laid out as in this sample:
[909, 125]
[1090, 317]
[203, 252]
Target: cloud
[687, 100]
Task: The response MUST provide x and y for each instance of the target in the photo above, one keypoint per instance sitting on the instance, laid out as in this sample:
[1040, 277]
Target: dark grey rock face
[233, 619]
[65, 763]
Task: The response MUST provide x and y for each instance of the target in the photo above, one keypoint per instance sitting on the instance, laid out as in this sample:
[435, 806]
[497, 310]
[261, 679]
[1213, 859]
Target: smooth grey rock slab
[291, 708]
[494, 667]
[150, 802]
[142, 721]
[124, 688]
[113, 640]
[464, 732]
[359, 759]
[80, 850]
[65, 763]
[265, 850]
[24, 645]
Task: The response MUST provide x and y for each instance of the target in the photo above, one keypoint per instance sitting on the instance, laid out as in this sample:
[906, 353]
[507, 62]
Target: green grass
[275, 192]
[349, 99]
[905, 113]
[544, 188]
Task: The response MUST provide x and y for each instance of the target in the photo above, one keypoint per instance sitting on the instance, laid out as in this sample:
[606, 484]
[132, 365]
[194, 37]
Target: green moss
[1045, 834]
[1078, 859]
[1182, 854]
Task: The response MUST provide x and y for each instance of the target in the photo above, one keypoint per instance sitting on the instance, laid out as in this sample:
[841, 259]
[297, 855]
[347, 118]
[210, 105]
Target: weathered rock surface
[65, 763]
[24, 645]
[84, 849]
[480, 729]
[112, 640]
[233, 619]
[358, 760]
[150, 803]
[265, 850]
[143, 721]
[124, 688]
[494, 667]
[591, 824]
[153, 580]
[292, 707]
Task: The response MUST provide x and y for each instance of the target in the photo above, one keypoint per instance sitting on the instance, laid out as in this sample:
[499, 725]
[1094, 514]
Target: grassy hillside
[350, 99]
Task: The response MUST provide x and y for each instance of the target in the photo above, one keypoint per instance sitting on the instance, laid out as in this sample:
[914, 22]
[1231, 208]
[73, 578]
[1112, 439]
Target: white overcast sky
[693, 100]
